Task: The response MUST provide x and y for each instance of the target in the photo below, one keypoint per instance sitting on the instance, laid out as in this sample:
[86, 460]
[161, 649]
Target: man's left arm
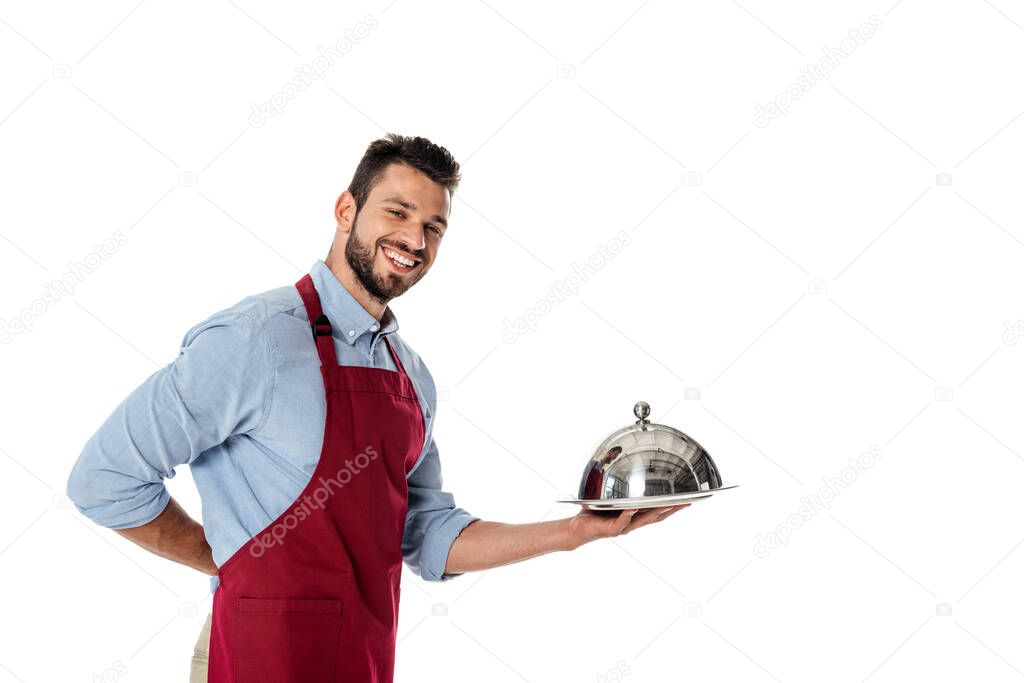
[433, 522]
[442, 541]
[483, 544]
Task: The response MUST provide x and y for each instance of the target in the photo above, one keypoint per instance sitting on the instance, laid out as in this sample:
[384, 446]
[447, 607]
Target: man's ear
[345, 211]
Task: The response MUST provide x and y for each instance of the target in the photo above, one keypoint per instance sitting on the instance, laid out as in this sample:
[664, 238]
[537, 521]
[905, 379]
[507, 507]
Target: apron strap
[394, 356]
[319, 324]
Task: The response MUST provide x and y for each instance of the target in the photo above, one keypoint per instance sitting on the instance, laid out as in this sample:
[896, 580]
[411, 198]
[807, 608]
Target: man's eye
[436, 229]
[397, 213]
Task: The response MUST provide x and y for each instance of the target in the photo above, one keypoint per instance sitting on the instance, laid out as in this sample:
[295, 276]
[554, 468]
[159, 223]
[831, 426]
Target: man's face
[402, 221]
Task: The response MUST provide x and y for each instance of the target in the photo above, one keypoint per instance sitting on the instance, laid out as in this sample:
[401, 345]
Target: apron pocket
[286, 639]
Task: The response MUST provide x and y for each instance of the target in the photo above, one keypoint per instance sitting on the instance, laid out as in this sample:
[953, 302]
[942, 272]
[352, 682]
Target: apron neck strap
[394, 356]
[321, 326]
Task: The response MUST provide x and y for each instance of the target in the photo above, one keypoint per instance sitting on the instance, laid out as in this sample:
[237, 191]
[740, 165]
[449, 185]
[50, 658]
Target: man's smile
[400, 261]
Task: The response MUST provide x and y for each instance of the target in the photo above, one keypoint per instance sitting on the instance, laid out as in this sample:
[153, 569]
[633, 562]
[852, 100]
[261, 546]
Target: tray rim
[646, 499]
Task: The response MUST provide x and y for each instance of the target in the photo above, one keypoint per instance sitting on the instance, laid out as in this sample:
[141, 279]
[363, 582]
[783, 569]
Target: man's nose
[415, 237]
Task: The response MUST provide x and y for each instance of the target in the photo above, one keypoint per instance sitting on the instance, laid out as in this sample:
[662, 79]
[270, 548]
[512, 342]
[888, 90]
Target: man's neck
[350, 282]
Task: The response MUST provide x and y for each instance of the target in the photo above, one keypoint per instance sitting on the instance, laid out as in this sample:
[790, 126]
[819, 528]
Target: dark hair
[432, 160]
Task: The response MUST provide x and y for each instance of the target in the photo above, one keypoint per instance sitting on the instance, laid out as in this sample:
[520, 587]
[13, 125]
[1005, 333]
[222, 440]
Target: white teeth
[399, 258]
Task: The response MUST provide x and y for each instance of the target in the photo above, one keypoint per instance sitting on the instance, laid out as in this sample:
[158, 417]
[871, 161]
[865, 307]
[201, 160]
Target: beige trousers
[201, 655]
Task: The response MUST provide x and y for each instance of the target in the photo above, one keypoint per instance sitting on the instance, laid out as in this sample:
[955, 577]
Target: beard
[383, 288]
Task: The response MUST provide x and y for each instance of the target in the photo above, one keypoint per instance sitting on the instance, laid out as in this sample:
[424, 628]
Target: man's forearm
[483, 544]
[175, 536]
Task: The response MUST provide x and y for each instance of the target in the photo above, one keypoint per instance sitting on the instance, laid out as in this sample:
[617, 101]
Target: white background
[816, 281]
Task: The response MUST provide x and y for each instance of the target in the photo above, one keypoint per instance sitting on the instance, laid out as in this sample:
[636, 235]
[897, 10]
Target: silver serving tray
[646, 501]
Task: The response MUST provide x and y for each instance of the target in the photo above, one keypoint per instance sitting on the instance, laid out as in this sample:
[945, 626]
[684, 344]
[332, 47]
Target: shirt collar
[349, 319]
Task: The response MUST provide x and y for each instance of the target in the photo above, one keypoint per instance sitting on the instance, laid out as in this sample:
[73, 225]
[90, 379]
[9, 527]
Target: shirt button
[374, 327]
[351, 333]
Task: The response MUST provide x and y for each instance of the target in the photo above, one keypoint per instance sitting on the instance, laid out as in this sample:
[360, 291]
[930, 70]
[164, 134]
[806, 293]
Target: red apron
[314, 596]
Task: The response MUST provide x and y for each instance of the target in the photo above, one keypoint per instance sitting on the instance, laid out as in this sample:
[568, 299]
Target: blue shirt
[243, 405]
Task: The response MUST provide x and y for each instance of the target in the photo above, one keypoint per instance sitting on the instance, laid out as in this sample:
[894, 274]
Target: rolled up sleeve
[218, 386]
[433, 521]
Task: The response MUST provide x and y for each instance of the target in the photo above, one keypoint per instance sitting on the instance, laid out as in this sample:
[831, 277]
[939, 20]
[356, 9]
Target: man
[307, 423]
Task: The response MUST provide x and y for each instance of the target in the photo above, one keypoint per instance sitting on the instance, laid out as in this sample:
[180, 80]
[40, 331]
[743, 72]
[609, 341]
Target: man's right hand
[175, 536]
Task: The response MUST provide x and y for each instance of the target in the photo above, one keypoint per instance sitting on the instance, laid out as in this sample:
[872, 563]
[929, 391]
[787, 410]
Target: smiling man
[307, 423]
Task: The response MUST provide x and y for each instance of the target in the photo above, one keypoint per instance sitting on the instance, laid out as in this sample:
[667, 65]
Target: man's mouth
[403, 263]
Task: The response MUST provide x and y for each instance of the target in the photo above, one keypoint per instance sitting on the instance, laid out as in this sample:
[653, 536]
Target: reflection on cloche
[648, 459]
